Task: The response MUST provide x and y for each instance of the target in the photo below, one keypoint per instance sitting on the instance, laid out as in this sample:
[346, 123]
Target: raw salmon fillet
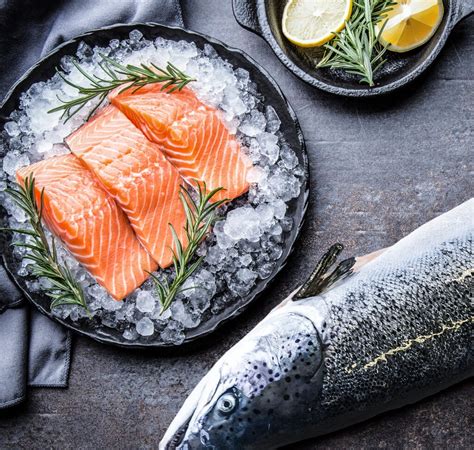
[91, 225]
[152, 110]
[135, 172]
[192, 136]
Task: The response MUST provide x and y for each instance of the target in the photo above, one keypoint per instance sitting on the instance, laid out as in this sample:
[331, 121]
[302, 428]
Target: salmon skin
[90, 224]
[192, 136]
[135, 172]
[396, 331]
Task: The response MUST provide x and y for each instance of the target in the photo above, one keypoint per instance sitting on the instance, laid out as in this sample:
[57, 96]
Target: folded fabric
[35, 351]
[31, 28]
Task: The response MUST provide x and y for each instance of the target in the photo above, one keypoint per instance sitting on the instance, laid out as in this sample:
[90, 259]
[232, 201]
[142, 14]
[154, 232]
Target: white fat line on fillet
[217, 145]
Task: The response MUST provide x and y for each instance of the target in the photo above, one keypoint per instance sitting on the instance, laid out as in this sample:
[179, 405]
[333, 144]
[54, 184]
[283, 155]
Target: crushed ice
[246, 242]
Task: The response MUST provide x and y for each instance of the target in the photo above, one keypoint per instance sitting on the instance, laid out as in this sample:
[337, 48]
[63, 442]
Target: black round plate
[45, 69]
[264, 18]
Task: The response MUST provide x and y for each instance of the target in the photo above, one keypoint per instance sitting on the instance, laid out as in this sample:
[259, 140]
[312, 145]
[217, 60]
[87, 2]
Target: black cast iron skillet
[46, 68]
[263, 17]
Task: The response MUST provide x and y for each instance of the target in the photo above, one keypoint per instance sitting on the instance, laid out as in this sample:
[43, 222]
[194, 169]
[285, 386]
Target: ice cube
[145, 327]
[181, 313]
[24, 267]
[218, 305]
[269, 146]
[109, 304]
[18, 214]
[242, 76]
[13, 161]
[284, 185]
[84, 51]
[12, 128]
[245, 260]
[130, 334]
[247, 246]
[224, 241]
[201, 303]
[243, 223]
[279, 207]
[145, 301]
[286, 223]
[276, 229]
[160, 315]
[246, 276]
[209, 51]
[215, 255]
[254, 124]
[232, 103]
[255, 174]
[288, 157]
[265, 270]
[266, 212]
[274, 252]
[173, 333]
[135, 35]
[62, 311]
[273, 121]
[114, 43]
[45, 283]
[239, 288]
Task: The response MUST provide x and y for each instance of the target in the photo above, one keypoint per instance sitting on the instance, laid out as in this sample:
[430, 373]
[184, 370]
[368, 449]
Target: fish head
[256, 393]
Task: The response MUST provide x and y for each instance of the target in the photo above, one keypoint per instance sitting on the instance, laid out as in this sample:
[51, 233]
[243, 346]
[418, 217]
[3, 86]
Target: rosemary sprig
[200, 215]
[356, 49]
[116, 75]
[64, 290]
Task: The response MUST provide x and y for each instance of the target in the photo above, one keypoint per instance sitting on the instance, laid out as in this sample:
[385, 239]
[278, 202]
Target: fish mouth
[178, 430]
[178, 437]
[174, 435]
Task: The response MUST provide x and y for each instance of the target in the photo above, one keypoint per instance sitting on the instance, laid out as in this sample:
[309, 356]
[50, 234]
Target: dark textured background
[379, 168]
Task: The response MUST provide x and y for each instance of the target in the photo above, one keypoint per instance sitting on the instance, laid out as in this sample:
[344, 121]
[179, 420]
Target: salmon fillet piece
[202, 149]
[152, 110]
[192, 136]
[137, 175]
[90, 224]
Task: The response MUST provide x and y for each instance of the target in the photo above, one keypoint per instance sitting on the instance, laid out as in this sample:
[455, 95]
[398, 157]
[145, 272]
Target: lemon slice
[311, 23]
[410, 24]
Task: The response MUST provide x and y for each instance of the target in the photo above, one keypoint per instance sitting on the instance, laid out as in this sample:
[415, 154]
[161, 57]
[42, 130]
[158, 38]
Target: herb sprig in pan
[356, 49]
[64, 290]
[115, 76]
[200, 215]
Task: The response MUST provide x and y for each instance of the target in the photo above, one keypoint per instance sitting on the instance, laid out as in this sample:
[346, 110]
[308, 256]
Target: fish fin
[320, 279]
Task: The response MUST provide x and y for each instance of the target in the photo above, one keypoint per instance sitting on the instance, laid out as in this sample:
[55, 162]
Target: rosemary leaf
[356, 49]
[65, 289]
[200, 215]
[115, 76]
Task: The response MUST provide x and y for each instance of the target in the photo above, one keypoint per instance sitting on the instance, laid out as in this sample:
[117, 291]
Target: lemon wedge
[410, 24]
[312, 23]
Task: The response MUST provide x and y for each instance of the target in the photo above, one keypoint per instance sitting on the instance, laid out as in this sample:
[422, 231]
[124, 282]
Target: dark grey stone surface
[380, 168]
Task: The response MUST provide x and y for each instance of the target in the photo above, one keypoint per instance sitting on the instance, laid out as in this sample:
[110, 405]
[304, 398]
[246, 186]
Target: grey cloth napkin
[31, 28]
[34, 351]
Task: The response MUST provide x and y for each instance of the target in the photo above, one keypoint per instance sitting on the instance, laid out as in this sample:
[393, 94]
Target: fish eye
[227, 403]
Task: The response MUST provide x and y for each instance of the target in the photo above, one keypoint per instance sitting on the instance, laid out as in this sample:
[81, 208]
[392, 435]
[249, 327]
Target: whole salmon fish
[398, 329]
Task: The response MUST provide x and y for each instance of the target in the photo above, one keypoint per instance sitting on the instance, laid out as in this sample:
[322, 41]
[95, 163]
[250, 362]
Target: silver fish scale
[400, 329]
